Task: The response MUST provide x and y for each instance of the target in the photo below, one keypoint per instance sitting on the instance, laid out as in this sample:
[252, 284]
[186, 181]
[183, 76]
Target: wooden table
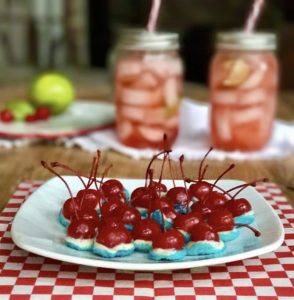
[21, 164]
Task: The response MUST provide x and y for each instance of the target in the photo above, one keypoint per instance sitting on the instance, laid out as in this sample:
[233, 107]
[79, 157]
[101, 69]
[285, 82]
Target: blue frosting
[156, 215]
[143, 213]
[226, 237]
[77, 246]
[244, 219]
[128, 196]
[109, 254]
[186, 236]
[202, 248]
[62, 220]
[142, 247]
[129, 227]
[178, 255]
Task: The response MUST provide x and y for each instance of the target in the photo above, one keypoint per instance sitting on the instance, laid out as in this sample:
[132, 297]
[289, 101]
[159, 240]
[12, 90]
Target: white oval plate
[36, 229]
[82, 117]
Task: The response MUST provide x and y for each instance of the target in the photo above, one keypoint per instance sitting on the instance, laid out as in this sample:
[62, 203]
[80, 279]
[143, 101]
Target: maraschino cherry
[130, 216]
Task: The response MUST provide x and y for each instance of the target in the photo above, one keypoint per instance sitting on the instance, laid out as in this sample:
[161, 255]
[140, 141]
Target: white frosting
[143, 242]
[116, 248]
[249, 213]
[161, 251]
[141, 209]
[80, 242]
[214, 244]
[182, 231]
[227, 232]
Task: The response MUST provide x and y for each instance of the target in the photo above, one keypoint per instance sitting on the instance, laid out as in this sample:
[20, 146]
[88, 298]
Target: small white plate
[82, 117]
[36, 229]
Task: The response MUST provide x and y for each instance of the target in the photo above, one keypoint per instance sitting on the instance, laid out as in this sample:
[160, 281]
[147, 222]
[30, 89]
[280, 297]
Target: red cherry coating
[111, 221]
[42, 113]
[159, 203]
[112, 186]
[81, 229]
[130, 215]
[88, 214]
[170, 239]
[238, 207]
[202, 208]
[143, 196]
[146, 230]
[178, 195]
[70, 207]
[221, 220]
[113, 236]
[216, 200]
[111, 208]
[158, 187]
[89, 198]
[169, 212]
[203, 232]
[199, 189]
[188, 221]
[6, 116]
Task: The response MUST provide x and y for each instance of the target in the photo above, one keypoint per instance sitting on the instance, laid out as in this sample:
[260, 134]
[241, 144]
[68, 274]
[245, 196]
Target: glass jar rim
[136, 39]
[241, 40]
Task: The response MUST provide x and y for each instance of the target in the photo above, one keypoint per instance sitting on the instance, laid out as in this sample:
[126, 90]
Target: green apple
[20, 109]
[52, 90]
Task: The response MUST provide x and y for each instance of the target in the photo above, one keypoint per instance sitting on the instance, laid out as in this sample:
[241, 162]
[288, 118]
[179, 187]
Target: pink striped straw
[152, 21]
[254, 15]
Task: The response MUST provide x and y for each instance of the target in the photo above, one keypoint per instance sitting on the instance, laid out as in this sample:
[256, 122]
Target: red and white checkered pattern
[27, 276]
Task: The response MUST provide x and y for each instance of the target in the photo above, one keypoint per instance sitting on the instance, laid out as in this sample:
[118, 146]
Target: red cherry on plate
[31, 118]
[158, 187]
[169, 239]
[89, 198]
[112, 208]
[177, 195]
[199, 189]
[81, 229]
[130, 215]
[6, 116]
[143, 196]
[238, 207]
[113, 236]
[112, 186]
[160, 202]
[203, 232]
[42, 113]
[187, 221]
[221, 220]
[216, 200]
[202, 208]
[70, 208]
[146, 230]
[88, 214]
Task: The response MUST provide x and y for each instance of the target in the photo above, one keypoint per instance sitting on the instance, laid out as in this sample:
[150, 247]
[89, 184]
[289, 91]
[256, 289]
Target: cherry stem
[106, 170]
[55, 164]
[171, 171]
[203, 173]
[94, 161]
[245, 185]
[162, 221]
[202, 161]
[183, 176]
[46, 166]
[162, 166]
[151, 162]
[255, 231]
[98, 156]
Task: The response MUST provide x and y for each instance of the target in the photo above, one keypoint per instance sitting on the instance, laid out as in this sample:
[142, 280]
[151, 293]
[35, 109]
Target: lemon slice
[239, 71]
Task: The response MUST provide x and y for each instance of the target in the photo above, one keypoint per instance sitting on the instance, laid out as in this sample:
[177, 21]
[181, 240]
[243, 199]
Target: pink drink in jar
[148, 84]
[243, 90]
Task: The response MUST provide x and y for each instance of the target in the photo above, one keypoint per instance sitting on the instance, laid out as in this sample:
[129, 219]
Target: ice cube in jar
[243, 86]
[148, 82]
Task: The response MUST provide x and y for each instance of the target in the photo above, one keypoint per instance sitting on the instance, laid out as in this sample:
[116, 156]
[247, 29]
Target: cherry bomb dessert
[196, 218]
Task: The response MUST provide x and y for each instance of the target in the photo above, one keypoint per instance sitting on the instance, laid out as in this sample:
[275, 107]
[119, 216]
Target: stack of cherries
[196, 218]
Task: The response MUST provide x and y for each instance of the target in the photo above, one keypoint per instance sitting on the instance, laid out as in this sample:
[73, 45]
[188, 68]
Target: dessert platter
[150, 224]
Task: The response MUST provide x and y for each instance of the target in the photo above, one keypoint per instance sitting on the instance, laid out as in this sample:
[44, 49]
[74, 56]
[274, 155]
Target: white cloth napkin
[193, 140]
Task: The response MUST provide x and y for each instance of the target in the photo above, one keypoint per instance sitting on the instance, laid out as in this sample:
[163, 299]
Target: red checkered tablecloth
[24, 275]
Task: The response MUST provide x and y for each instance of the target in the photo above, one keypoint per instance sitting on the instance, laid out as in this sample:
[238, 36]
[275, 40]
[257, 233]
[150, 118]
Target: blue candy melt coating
[202, 248]
[108, 254]
[226, 237]
[128, 196]
[143, 213]
[156, 215]
[62, 220]
[244, 219]
[129, 227]
[180, 209]
[77, 246]
[186, 236]
[178, 255]
[142, 247]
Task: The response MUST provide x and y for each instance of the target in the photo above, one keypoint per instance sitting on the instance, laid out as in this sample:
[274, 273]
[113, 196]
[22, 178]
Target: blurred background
[76, 36]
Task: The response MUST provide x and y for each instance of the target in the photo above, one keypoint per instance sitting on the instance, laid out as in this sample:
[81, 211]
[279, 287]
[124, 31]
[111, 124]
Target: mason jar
[148, 87]
[243, 87]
